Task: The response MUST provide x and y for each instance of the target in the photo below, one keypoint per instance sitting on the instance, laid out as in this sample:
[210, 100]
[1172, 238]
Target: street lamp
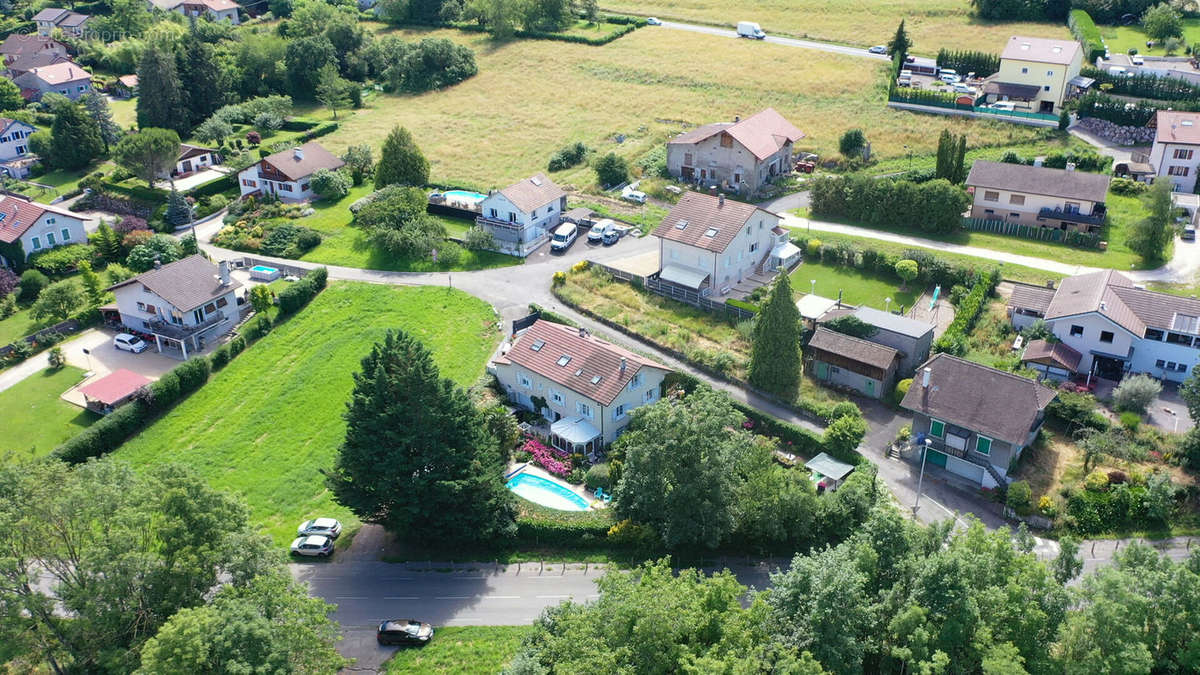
[887, 304]
[812, 290]
[1174, 414]
[921, 479]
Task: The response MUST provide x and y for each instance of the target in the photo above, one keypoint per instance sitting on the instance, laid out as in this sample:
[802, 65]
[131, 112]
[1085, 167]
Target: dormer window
[564, 360]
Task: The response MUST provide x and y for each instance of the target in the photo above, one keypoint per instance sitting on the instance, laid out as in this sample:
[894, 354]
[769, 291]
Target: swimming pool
[264, 273]
[546, 492]
[464, 196]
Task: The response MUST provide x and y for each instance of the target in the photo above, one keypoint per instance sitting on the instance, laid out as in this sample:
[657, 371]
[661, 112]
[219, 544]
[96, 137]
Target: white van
[563, 237]
[749, 29]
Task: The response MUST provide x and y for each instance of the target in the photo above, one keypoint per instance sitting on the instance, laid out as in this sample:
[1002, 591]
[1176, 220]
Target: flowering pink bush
[128, 224]
[544, 457]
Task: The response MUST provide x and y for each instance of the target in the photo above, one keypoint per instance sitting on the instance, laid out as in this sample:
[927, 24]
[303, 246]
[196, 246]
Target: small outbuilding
[1051, 360]
[112, 391]
[841, 360]
[813, 307]
[827, 472]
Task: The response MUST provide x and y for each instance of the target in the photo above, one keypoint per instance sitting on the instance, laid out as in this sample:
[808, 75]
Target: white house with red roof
[37, 226]
[217, 10]
[521, 216]
[65, 77]
[288, 174]
[743, 155]
[14, 147]
[585, 387]
[1176, 151]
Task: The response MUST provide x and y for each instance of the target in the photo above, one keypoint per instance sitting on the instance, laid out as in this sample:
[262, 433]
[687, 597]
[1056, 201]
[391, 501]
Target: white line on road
[552, 597]
[501, 597]
[402, 597]
[452, 597]
[349, 597]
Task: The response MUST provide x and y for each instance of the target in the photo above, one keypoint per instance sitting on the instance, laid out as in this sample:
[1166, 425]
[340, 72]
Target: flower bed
[547, 458]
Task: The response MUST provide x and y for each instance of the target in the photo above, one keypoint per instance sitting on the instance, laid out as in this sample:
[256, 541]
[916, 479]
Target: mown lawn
[36, 420]
[858, 287]
[1120, 39]
[22, 322]
[462, 650]
[641, 90]
[124, 112]
[267, 424]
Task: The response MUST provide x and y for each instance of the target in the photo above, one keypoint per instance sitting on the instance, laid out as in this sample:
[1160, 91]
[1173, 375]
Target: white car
[313, 545]
[960, 88]
[130, 343]
[636, 196]
[1003, 105]
[878, 49]
[949, 78]
[653, 22]
[326, 526]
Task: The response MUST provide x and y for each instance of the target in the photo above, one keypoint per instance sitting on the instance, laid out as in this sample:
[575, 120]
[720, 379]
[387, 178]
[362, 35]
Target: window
[1160, 363]
[726, 141]
[584, 409]
[210, 307]
[1177, 171]
[1106, 336]
[937, 428]
[635, 381]
[649, 395]
[493, 213]
[753, 247]
[983, 445]
[1182, 153]
[50, 239]
[564, 360]
[991, 196]
[1049, 73]
[619, 412]
[141, 306]
[1024, 71]
[36, 243]
[50, 221]
[1181, 367]
[1071, 207]
[557, 397]
[1046, 88]
[990, 212]
[221, 302]
[1076, 331]
[687, 158]
[304, 187]
[1170, 365]
[249, 183]
[1179, 339]
[524, 381]
[1019, 200]
[537, 345]
[711, 232]
[285, 187]
[66, 234]
[1154, 334]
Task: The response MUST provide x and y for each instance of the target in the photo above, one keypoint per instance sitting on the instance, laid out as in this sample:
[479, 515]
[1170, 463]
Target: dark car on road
[404, 632]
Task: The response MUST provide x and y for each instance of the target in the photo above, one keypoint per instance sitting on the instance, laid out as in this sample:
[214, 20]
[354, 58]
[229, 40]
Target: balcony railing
[1096, 218]
[496, 222]
[179, 331]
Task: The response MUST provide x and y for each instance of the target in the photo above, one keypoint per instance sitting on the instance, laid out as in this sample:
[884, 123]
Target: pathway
[778, 40]
[27, 368]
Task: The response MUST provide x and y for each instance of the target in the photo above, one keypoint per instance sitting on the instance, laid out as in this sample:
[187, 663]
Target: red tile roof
[312, 157]
[763, 134]
[590, 358]
[114, 387]
[22, 44]
[18, 215]
[1057, 354]
[703, 214]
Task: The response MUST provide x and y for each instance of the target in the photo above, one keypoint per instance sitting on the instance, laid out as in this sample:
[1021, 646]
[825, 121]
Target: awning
[1081, 82]
[813, 307]
[574, 430]
[683, 276]
[1012, 90]
[785, 251]
[829, 467]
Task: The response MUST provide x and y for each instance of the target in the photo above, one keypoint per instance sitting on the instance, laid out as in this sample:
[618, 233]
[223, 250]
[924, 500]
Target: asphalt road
[786, 41]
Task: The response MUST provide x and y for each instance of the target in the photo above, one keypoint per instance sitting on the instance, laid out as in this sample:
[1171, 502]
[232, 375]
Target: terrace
[1095, 219]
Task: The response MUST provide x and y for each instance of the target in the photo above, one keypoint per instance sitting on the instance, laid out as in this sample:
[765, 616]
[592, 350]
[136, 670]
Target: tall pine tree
[899, 42]
[202, 90]
[416, 457]
[97, 106]
[401, 161]
[74, 138]
[775, 352]
[161, 105]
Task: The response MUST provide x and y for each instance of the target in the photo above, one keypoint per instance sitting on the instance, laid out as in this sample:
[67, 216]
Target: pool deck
[535, 470]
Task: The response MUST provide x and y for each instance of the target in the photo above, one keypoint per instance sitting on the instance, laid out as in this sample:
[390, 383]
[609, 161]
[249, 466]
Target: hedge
[1085, 30]
[1118, 111]
[1145, 85]
[298, 124]
[628, 25]
[324, 129]
[749, 307]
[297, 295]
[936, 205]
[965, 61]
[544, 526]
[216, 186]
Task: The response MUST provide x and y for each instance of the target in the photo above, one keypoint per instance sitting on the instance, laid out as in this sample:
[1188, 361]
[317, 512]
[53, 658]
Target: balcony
[177, 331]
[1096, 218]
[496, 222]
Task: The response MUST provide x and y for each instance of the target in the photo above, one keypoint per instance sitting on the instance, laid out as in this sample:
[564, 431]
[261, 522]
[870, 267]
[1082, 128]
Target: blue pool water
[263, 268]
[464, 196]
[546, 492]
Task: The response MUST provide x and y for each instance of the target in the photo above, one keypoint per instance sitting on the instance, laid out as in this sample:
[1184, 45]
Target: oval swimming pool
[548, 493]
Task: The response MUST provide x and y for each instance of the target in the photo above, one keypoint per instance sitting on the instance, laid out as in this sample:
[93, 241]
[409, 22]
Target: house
[743, 155]
[14, 147]
[707, 244]
[1040, 72]
[193, 158]
[827, 472]
[181, 304]
[24, 63]
[70, 23]
[521, 216]
[1176, 147]
[1051, 360]
[125, 86]
[1118, 328]
[65, 77]
[36, 227]
[112, 391]
[972, 420]
[286, 174]
[585, 387]
[217, 10]
[1028, 303]
[18, 44]
[1038, 196]
[912, 339]
[840, 360]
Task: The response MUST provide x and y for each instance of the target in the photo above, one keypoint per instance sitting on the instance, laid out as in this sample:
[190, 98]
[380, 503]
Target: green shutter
[937, 429]
[983, 445]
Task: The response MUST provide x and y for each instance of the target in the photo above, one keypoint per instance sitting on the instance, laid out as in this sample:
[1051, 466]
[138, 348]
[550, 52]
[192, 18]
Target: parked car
[326, 526]
[563, 237]
[130, 343]
[1003, 105]
[949, 78]
[960, 88]
[596, 234]
[749, 29]
[878, 49]
[636, 196]
[313, 545]
[653, 22]
[1189, 234]
[404, 632]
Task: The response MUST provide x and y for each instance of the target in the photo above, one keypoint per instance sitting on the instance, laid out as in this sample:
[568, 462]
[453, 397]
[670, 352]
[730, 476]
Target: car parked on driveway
[130, 343]
[313, 545]
[404, 632]
[326, 526]
[878, 49]
[563, 237]
[1189, 234]
[596, 234]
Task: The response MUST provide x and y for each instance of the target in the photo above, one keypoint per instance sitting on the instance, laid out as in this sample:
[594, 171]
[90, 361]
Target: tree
[332, 89]
[127, 19]
[851, 325]
[213, 130]
[1064, 120]
[1067, 564]
[305, 59]
[844, 435]
[907, 270]
[1096, 445]
[1135, 393]
[165, 109]
[1161, 22]
[416, 452]
[93, 288]
[852, 143]
[74, 138]
[281, 9]
[55, 357]
[899, 42]
[611, 169]
[203, 85]
[260, 298]
[1152, 234]
[179, 212]
[10, 96]
[32, 284]
[679, 455]
[401, 161]
[161, 248]
[97, 106]
[775, 364]
[269, 625]
[58, 301]
[499, 17]
[1189, 391]
[331, 184]
[107, 242]
[360, 161]
[149, 154]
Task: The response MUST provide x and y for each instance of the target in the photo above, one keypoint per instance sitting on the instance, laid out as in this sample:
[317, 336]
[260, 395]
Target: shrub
[292, 298]
[1117, 477]
[331, 185]
[220, 357]
[62, 259]
[598, 476]
[1127, 187]
[545, 457]
[629, 534]
[32, 284]
[1075, 410]
[575, 477]
[257, 328]
[1096, 481]
[56, 358]
[567, 157]
[1131, 420]
[936, 205]
[845, 409]
[1020, 497]
[1135, 393]
[611, 169]
[8, 306]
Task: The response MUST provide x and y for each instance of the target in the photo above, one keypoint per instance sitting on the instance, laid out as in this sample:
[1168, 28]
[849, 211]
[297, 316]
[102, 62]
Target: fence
[929, 102]
[690, 297]
[1079, 239]
[284, 269]
[618, 274]
[68, 326]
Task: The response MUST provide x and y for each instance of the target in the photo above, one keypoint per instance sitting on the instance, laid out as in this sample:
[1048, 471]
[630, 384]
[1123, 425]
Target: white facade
[544, 218]
[72, 89]
[722, 160]
[251, 180]
[1095, 336]
[740, 259]
[1023, 207]
[522, 384]
[140, 309]
[196, 163]
[1176, 162]
[50, 230]
[14, 142]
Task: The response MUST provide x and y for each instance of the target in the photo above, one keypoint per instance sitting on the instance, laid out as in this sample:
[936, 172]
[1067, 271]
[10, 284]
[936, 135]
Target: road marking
[402, 597]
[349, 597]
[452, 597]
[501, 597]
[552, 597]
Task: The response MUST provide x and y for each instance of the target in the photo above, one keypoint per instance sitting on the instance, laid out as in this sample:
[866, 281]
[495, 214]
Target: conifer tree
[401, 161]
[74, 138]
[178, 210]
[775, 353]
[899, 42]
[161, 105]
[97, 106]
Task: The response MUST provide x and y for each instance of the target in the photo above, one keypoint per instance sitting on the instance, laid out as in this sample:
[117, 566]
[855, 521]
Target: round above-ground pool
[547, 492]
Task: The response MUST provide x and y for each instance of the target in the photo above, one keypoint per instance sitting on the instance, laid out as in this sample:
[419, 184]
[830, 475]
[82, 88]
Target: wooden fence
[690, 297]
[1078, 239]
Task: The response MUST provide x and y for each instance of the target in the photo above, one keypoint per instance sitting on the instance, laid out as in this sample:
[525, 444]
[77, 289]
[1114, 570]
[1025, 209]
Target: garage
[966, 469]
[936, 458]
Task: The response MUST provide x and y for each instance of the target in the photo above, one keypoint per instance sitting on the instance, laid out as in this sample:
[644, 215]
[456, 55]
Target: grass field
[930, 23]
[857, 287]
[646, 86]
[1120, 39]
[267, 424]
[22, 323]
[124, 112]
[462, 650]
[36, 420]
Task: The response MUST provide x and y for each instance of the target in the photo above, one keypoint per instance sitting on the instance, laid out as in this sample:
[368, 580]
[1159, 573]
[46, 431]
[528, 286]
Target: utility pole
[921, 479]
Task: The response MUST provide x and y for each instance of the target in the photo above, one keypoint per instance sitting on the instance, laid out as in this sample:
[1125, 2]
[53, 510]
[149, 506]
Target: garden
[36, 420]
[462, 649]
[855, 286]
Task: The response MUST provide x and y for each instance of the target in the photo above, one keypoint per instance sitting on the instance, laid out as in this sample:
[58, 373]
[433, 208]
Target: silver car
[325, 526]
[313, 545]
[130, 343]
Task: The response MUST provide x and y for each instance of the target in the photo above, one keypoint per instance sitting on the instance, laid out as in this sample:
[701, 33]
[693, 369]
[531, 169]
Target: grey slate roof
[532, 193]
[186, 283]
[1028, 296]
[312, 157]
[1052, 354]
[862, 351]
[1039, 180]
[987, 401]
[894, 322]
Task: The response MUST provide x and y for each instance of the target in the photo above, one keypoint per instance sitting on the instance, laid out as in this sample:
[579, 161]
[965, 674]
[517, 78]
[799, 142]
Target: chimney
[1049, 283]
[582, 332]
[223, 272]
[720, 200]
[737, 118]
[157, 264]
[298, 153]
[623, 364]
[1070, 166]
[925, 377]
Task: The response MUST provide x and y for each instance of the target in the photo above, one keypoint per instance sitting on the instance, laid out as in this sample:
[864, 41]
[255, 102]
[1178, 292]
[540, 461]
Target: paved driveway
[102, 358]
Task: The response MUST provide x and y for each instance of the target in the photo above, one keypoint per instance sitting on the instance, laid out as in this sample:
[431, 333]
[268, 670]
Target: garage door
[935, 457]
[966, 469]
